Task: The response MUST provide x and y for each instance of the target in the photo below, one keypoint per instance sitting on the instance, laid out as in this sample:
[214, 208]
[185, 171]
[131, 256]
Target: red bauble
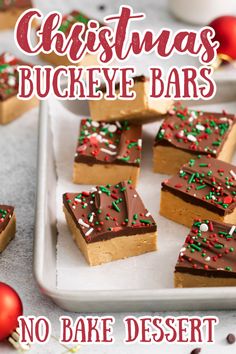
[10, 308]
[225, 28]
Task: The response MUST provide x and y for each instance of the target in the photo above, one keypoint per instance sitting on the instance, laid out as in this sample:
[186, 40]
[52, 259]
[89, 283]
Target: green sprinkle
[115, 206]
[191, 178]
[144, 221]
[196, 247]
[201, 187]
[218, 245]
[228, 268]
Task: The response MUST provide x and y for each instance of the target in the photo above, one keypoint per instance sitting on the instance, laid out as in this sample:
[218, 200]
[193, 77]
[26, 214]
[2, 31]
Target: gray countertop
[18, 159]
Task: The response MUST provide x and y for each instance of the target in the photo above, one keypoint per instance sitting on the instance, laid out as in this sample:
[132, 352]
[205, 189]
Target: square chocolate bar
[67, 22]
[186, 133]
[141, 109]
[109, 223]
[207, 257]
[204, 188]
[107, 152]
[7, 225]
[10, 106]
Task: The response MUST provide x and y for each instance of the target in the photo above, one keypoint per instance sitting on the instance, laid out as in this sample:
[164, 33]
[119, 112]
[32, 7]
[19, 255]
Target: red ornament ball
[225, 29]
[10, 308]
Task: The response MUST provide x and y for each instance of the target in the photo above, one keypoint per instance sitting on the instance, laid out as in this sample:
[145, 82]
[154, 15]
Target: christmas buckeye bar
[203, 188]
[10, 106]
[208, 256]
[142, 108]
[185, 133]
[107, 152]
[10, 10]
[7, 225]
[110, 223]
[68, 21]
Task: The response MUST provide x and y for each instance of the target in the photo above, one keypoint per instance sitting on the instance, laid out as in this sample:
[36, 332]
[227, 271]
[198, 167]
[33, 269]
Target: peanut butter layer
[108, 212]
[104, 173]
[121, 247]
[141, 109]
[208, 252]
[205, 182]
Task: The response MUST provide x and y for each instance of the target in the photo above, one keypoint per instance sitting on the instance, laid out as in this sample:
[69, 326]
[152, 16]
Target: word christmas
[91, 38]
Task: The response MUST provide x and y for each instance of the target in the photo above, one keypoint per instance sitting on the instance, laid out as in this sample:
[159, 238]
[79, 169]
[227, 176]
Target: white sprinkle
[204, 228]
[224, 118]
[93, 189]
[77, 200]
[81, 222]
[99, 192]
[73, 206]
[193, 114]
[162, 131]
[88, 124]
[148, 214]
[89, 232]
[91, 202]
[112, 146]
[191, 138]
[11, 81]
[232, 230]
[102, 133]
[112, 128]
[109, 152]
[183, 249]
[135, 195]
[86, 132]
[118, 124]
[233, 174]
[104, 140]
[95, 124]
[140, 142]
[200, 127]
[8, 57]
[207, 259]
[91, 217]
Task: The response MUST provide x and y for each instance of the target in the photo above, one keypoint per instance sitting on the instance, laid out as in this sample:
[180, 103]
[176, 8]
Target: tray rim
[144, 296]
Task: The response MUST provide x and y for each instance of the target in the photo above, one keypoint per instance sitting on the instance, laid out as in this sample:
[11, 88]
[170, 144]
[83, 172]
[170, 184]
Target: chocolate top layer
[207, 182]
[9, 78]
[209, 250]
[108, 212]
[6, 213]
[102, 142]
[7, 4]
[195, 131]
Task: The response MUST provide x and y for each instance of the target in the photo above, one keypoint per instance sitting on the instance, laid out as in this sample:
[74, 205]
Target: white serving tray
[150, 275]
